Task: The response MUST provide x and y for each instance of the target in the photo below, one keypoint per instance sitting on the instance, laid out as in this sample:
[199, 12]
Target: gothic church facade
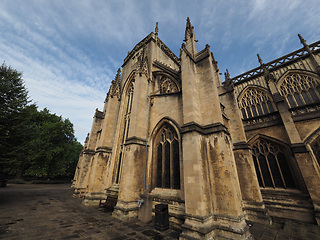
[219, 154]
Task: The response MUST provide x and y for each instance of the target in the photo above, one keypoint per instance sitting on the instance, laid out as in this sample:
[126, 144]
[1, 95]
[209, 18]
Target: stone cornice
[204, 129]
[135, 140]
[241, 145]
[103, 149]
[202, 55]
[299, 148]
[88, 151]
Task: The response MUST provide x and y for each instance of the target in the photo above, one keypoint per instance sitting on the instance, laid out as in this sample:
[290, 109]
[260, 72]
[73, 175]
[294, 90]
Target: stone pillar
[90, 151]
[101, 164]
[85, 159]
[253, 204]
[82, 174]
[212, 192]
[132, 173]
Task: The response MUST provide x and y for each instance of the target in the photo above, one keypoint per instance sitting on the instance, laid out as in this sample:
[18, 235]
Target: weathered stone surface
[218, 153]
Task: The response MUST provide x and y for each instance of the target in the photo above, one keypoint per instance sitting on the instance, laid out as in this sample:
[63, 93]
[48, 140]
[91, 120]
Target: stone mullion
[280, 170]
[269, 168]
[171, 167]
[302, 99]
[163, 163]
[261, 175]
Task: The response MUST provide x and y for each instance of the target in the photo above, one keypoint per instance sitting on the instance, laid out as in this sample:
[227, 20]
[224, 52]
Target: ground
[34, 211]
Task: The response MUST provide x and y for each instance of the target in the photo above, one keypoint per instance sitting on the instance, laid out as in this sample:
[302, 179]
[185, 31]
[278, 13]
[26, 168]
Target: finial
[260, 60]
[157, 29]
[302, 40]
[87, 138]
[188, 25]
[117, 78]
[227, 75]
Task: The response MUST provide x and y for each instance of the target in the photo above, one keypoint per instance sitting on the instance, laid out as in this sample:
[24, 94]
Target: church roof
[160, 44]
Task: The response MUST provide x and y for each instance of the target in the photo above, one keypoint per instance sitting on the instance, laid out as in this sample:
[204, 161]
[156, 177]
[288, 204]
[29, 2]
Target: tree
[32, 142]
[13, 100]
[54, 149]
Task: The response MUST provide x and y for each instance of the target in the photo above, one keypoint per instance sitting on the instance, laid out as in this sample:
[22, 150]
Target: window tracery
[271, 164]
[168, 159]
[167, 85]
[300, 89]
[256, 102]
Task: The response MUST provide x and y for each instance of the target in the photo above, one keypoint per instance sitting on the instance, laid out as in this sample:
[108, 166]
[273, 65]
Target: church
[219, 153]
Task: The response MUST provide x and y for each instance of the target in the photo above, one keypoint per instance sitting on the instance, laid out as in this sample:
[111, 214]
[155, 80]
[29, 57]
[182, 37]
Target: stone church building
[219, 153]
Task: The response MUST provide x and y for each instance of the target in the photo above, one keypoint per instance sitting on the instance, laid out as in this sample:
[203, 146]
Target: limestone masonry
[220, 154]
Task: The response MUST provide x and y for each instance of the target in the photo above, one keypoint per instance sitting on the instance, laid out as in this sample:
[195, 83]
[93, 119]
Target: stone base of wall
[215, 227]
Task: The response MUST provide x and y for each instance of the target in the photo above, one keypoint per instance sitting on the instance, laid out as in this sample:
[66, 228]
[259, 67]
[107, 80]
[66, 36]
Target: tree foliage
[32, 142]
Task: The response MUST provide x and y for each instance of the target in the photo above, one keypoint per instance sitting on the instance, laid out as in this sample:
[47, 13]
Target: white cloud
[69, 51]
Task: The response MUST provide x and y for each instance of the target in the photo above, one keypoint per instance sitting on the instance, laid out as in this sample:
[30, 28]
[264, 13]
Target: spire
[190, 38]
[267, 74]
[302, 40]
[260, 60]
[156, 29]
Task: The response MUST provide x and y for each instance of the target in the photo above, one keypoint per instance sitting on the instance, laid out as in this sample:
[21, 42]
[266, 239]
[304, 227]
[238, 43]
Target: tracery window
[167, 85]
[256, 102]
[316, 149]
[168, 159]
[125, 127]
[300, 89]
[271, 164]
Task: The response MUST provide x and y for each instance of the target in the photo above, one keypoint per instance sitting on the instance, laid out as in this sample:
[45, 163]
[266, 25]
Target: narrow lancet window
[168, 159]
[126, 122]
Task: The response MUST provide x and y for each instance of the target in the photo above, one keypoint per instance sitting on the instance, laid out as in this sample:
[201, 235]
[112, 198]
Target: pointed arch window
[271, 164]
[256, 102]
[167, 159]
[300, 89]
[125, 132]
[167, 85]
[316, 149]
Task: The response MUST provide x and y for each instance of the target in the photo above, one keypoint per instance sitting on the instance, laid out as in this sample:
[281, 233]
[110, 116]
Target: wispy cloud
[69, 51]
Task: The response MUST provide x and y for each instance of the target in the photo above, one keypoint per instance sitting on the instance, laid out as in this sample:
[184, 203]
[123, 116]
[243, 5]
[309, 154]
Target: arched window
[271, 164]
[128, 107]
[167, 85]
[300, 89]
[255, 102]
[316, 149]
[167, 158]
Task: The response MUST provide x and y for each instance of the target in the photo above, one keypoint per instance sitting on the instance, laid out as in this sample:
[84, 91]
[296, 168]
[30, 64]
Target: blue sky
[69, 51]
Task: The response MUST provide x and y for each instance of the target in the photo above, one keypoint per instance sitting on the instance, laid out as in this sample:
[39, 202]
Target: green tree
[13, 100]
[54, 149]
[32, 142]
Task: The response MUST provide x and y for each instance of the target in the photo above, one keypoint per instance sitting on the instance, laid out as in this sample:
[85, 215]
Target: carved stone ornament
[114, 90]
[143, 61]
